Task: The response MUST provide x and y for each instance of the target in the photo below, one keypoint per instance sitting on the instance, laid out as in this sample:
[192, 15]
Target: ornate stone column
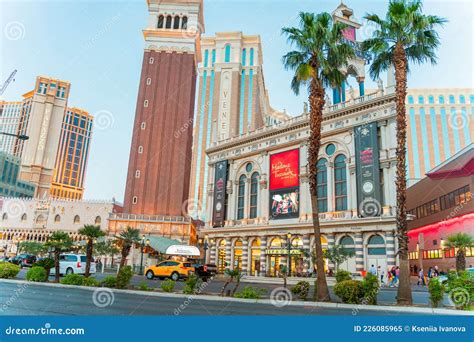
[390, 248]
[245, 255]
[263, 256]
[359, 252]
[331, 243]
[263, 203]
[228, 253]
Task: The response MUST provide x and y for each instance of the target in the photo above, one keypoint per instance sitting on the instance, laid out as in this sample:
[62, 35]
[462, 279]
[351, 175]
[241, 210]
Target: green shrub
[250, 292]
[192, 284]
[168, 285]
[89, 281]
[72, 279]
[143, 286]
[109, 281]
[342, 276]
[350, 291]
[301, 289]
[124, 276]
[371, 287]
[437, 290]
[46, 263]
[36, 273]
[460, 288]
[8, 270]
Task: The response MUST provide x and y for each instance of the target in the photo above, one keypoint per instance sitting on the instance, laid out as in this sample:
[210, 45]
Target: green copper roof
[160, 244]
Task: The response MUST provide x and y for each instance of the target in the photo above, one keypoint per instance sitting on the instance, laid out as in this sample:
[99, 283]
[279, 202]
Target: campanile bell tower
[160, 154]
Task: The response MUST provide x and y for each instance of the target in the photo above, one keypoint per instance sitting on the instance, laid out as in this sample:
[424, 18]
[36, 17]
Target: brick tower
[161, 150]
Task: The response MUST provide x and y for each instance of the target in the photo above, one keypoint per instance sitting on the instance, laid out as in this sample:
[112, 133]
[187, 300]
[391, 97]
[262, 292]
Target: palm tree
[127, 238]
[317, 61]
[405, 35]
[461, 242]
[58, 242]
[92, 233]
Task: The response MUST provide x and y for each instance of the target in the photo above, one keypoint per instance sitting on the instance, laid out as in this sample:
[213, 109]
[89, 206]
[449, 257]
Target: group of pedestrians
[387, 278]
[433, 272]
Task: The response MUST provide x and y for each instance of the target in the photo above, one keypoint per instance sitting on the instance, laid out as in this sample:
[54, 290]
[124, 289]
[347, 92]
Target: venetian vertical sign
[284, 184]
[219, 204]
[367, 170]
[224, 106]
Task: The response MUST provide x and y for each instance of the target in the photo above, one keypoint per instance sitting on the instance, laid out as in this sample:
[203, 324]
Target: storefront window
[255, 257]
[376, 245]
[238, 255]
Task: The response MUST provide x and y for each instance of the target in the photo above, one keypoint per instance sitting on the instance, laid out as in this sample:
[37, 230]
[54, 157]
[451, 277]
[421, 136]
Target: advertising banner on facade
[367, 170]
[284, 184]
[284, 203]
[220, 182]
[284, 170]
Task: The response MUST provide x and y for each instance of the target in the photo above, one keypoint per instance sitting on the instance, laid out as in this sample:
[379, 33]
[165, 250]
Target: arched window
[347, 243]
[168, 22]
[297, 242]
[77, 219]
[23, 218]
[421, 99]
[241, 197]
[161, 20]
[322, 185]
[227, 53]
[251, 56]
[253, 195]
[40, 219]
[184, 23]
[244, 57]
[98, 220]
[441, 99]
[276, 242]
[376, 245]
[451, 99]
[462, 99]
[431, 99]
[410, 99]
[5, 217]
[340, 182]
[176, 22]
[57, 219]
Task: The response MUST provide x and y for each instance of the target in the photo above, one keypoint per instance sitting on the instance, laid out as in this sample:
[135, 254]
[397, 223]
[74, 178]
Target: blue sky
[98, 47]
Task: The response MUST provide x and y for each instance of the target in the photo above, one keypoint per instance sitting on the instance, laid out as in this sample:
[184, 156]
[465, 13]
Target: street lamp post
[205, 247]
[143, 244]
[288, 236]
[19, 136]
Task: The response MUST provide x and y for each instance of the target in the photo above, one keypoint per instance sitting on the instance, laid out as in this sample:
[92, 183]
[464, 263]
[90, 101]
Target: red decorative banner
[284, 169]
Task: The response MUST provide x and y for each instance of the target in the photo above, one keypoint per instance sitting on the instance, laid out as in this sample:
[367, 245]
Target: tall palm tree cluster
[318, 60]
[60, 242]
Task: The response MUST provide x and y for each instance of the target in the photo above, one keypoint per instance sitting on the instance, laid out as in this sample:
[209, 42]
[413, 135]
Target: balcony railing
[154, 218]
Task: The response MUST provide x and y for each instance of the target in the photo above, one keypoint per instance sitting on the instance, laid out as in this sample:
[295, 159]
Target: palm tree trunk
[125, 251]
[56, 265]
[404, 296]
[460, 260]
[88, 258]
[316, 100]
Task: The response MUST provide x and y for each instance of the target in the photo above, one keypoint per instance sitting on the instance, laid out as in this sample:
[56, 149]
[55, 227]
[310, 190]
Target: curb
[355, 307]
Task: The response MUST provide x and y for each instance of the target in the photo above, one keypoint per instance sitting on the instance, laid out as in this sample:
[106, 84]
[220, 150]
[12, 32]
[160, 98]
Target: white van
[73, 263]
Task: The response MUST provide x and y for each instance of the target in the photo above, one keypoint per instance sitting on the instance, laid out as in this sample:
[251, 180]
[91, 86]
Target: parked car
[170, 269]
[23, 260]
[73, 263]
[205, 271]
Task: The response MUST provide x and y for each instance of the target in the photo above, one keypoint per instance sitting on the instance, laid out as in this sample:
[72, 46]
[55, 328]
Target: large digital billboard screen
[284, 170]
[284, 203]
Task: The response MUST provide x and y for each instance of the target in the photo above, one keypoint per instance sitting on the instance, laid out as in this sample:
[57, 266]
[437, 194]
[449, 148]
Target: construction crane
[7, 82]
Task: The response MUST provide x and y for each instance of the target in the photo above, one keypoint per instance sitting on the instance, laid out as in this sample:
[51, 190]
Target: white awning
[183, 250]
